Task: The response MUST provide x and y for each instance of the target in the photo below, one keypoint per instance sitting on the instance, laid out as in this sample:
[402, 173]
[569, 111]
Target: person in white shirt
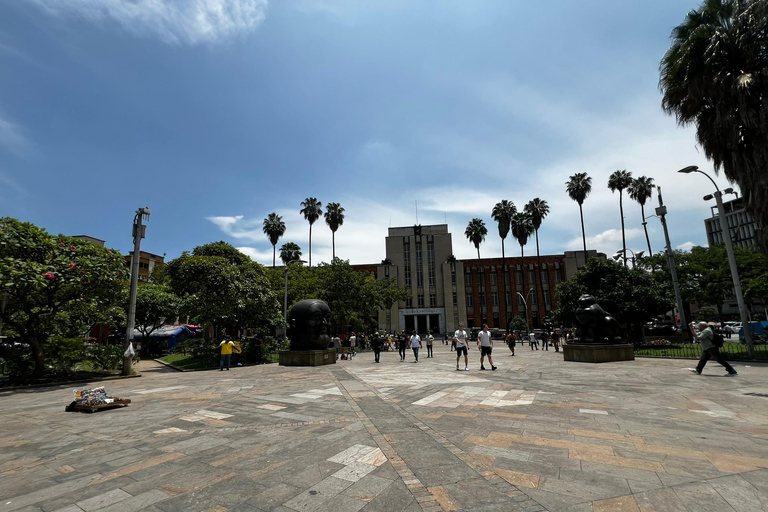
[533, 340]
[485, 344]
[415, 345]
[430, 341]
[460, 337]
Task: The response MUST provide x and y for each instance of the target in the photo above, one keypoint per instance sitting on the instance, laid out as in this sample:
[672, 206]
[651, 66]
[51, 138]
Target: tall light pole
[621, 253]
[731, 258]
[525, 303]
[661, 211]
[139, 232]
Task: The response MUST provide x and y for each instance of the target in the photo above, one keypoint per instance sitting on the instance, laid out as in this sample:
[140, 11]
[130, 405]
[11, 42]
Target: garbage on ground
[94, 399]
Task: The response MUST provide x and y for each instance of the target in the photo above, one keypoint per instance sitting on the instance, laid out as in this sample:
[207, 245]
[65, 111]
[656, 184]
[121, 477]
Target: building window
[453, 274]
[557, 273]
[409, 303]
[493, 277]
[432, 300]
[421, 300]
[407, 276]
[419, 267]
[470, 301]
[431, 262]
[468, 279]
[407, 258]
[455, 299]
[519, 277]
[481, 297]
[507, 297]
[481, 278]
[495, 298]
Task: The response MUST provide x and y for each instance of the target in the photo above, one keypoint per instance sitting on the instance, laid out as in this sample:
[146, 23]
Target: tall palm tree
[522, 229]
[311, 211]
[641, 190]
[502, 213]
[538, 209]
[290, 252]
[334, 217]
[578, 187]
[714, 77]
[476, 232]
[620, 180]
[274, 228]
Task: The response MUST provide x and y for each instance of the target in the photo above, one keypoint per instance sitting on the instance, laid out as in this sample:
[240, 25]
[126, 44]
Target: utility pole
[661, 211]
[139, 232]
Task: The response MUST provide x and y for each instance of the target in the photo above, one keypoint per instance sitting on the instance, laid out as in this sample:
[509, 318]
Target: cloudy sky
[215, 114]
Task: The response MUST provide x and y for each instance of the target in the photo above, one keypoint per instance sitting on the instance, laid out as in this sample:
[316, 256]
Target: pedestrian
[337, 346]
[402, 341]
[556, 341]
[226, 353]
[545, 340]
[430, 341]
[532, 340]
[709, 349]
[511, 341]
[237, 350]
[376, 343]
[485, 345]
[460, 341]
[415, 345]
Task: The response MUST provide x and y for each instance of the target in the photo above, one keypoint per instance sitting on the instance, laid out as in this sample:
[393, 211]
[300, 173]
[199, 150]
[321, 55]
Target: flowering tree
[45, 277]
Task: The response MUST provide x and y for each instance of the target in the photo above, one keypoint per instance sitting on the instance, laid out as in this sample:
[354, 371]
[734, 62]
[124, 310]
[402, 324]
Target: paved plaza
[537, 434]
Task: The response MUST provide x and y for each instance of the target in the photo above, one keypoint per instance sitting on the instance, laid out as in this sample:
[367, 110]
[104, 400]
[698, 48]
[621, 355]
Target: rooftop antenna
[417, 210]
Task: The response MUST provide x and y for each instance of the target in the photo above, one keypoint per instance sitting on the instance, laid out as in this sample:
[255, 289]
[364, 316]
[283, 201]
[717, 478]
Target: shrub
[106, 357]
[64, 353]
[15, 361]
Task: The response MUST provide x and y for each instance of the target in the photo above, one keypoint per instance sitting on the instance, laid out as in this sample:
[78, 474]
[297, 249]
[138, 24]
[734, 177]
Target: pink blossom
[73, 247]
[109, 251]
[49, 275]
[71, 266]
[62, 244]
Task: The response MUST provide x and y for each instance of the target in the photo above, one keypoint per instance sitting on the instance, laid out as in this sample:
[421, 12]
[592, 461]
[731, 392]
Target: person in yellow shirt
[226, 352]
[237, 351]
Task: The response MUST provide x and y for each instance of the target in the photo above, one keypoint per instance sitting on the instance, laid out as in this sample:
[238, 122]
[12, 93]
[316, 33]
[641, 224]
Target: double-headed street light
[621, 254]
[718, 195]
[527, 330]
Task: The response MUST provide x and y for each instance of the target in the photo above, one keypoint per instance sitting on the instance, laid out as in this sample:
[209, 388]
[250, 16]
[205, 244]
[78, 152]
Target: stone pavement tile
[394, 498]
[273, 497]
[759, 479]
[518, 478]
[476, 494]
[318, 495]
[702, 497]
[103, 500]
[739, 493]
[367, 488]
[445, 474]
[588, 486]
[618, 504]
[385, 471]
[341, 503]
[23, 500]
[443, 499]
[659, 500]
[354, 471]
[533, 468]
[135, 503]
[698, 469]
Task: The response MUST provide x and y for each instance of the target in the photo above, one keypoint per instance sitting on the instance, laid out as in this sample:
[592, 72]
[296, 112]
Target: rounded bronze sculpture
[310, 322]
[597, 325]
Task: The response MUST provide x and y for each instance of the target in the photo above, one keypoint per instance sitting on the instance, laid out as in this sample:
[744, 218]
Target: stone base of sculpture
[594, 353]
[307, 357]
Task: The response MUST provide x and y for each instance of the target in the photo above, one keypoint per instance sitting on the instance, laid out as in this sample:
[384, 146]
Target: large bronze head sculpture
[310, 322]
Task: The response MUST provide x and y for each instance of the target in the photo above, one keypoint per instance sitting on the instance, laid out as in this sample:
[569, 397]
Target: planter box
[307, 357]
[598, 353]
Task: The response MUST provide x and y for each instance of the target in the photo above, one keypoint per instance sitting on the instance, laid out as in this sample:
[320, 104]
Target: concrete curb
[66, 383]
[207, 369]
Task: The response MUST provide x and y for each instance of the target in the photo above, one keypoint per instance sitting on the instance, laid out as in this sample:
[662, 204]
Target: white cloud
[607, 241]
[173, 21]
[687, 246]
[258, 255]
[11, 138]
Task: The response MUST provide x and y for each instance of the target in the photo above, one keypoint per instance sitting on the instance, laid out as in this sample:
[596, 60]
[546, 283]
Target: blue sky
[216, 113]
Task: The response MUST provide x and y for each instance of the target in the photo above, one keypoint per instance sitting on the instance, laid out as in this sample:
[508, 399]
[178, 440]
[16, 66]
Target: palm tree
[334, 217]
[502, 213]
[578, 187]
[476, 232]
[274, 228]
[620, 180]
[538, 209]
[290, 252]
[641, 190]
[311, 212]
[714, 77]
[522, 228]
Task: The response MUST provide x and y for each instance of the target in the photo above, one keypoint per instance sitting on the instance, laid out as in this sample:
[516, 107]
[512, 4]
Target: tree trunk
[645, 227]
[623, 238]
[37, 353]
[478, 251]
[525, 301]
[540, 281]
[274, 249]
[310, 244]
[333, 240]
[504, 288]
[583, 233]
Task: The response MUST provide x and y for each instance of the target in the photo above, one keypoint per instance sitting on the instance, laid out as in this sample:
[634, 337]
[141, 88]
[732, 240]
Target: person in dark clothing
[708, 349]
[402, 341]
[544, 340]
[376, 343]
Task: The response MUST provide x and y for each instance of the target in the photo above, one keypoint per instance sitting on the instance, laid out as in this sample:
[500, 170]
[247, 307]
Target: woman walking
[415, 345]
[511, 342]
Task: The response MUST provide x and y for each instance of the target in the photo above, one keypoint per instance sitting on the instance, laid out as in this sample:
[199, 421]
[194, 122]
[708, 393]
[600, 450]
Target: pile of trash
[95, 396]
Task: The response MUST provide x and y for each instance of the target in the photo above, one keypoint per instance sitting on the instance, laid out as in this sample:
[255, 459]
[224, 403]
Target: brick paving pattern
[538, 434]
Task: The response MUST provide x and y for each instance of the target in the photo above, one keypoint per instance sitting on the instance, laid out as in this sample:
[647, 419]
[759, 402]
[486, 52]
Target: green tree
[578, 187]
[290, 252]
[222, 287]
[334, 217]
[629, 294]
[475, 233]
[44, 276]
[311, 211]
[274, 228]
[641, 190]
[155, 304]
[714, 76]
[620, 180]
[538, 209]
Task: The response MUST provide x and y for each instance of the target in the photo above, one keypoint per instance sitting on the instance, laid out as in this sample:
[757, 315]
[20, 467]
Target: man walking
[485, 344]
[430, 341]
[545, 340]
[460, 340]
[532, 340]
[708, 349]
[226, 353]
[401, 343]
[415, 345]
[376, 343]
[556, 341]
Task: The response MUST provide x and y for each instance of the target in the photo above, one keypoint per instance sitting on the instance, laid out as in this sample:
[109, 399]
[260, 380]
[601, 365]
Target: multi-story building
[740, 224]
[447, 291]
[93, 240]
[147, 263]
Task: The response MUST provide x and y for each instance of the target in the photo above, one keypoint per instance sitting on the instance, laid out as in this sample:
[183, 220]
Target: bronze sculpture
[597, 325]
[310, 322]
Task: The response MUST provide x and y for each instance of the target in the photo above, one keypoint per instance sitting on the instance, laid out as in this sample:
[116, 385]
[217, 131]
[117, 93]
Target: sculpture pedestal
[587, 353]
[307, 357]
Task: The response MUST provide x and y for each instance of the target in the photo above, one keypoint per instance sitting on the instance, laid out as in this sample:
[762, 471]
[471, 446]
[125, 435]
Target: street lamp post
[525, 303]
[661, 211]
[620, 253]
[731, 258]
[139, 232]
